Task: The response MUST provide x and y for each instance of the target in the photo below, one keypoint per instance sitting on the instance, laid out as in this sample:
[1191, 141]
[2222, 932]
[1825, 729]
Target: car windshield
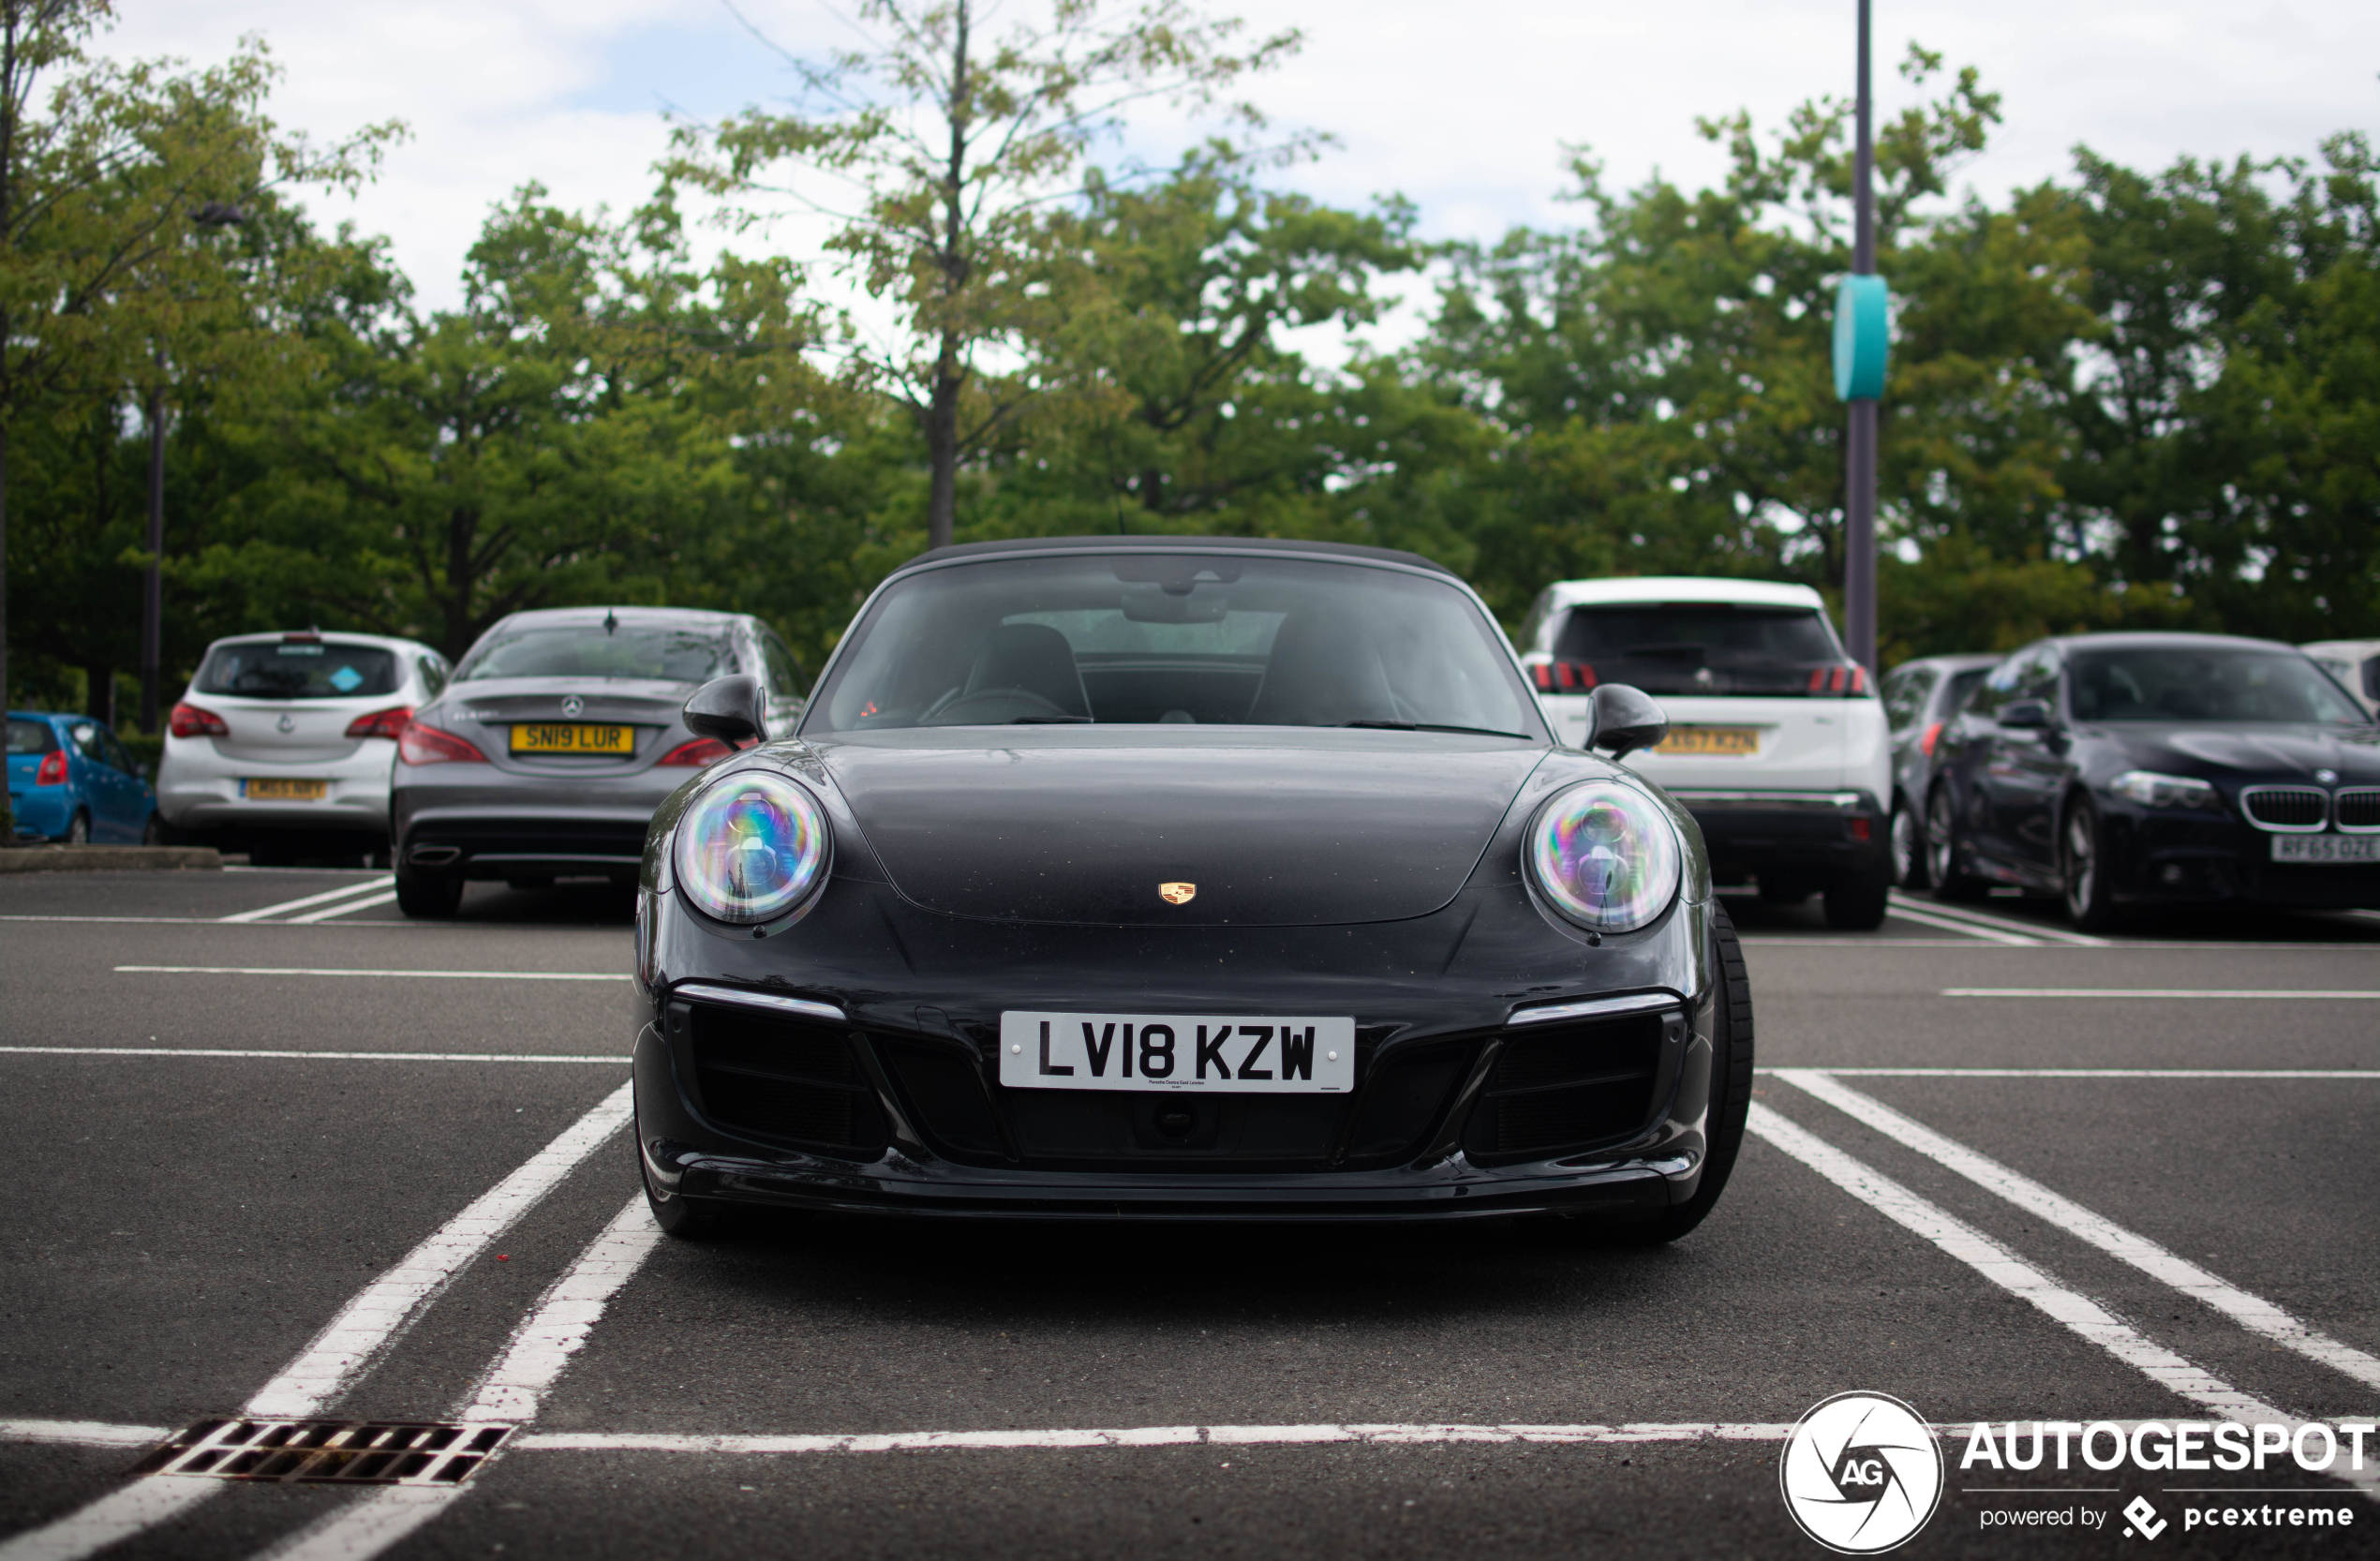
[652, 651]
[293, 670]
[1961, 685]
[31, 736]
[1699, 646]
[1141, 638]
[2176, 685]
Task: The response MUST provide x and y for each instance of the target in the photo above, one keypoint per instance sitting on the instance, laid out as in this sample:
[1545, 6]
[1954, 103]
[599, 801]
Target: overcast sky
[1461, 108]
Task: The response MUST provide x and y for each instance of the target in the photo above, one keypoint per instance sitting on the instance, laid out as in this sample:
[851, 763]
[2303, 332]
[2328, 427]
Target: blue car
[70, 780]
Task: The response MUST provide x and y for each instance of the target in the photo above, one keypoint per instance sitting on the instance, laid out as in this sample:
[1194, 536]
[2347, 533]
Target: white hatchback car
[1777, 744]
[284, 743]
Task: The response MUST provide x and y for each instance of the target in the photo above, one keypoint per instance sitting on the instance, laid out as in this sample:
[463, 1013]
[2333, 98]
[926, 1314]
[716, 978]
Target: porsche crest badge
[1178, 894]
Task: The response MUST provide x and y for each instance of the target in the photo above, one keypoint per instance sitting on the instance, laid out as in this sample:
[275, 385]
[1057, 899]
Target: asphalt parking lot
[279, 1154]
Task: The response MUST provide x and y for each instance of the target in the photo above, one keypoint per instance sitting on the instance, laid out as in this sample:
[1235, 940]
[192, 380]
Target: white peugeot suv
[283, 745]
[1777, 743]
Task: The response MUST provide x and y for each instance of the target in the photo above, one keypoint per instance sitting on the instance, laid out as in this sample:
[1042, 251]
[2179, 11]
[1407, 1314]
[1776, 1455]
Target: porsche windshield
[1142, 638]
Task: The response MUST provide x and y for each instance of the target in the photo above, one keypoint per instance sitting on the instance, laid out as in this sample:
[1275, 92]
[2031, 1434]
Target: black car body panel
[2013, 787]
[974, 875]
[1921, 698]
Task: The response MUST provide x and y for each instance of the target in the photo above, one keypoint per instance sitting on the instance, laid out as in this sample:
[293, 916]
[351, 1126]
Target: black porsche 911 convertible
[1183, 878]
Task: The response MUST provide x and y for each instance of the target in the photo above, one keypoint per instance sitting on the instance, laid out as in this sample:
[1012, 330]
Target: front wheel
[1945, 854]
[1908, 846]
[2090, 904]
[1731, 1094]
[683, 1218]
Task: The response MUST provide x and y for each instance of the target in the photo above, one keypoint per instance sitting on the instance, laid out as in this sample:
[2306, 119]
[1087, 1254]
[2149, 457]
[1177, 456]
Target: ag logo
[1862, 1473]
[2144, 1519]
[572, 706]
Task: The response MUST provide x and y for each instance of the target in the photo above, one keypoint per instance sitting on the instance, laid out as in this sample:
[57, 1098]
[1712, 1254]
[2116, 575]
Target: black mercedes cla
[2126, 769]
[1178, 878]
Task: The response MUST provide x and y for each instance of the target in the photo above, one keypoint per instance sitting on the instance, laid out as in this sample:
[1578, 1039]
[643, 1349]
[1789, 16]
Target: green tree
[941, 153]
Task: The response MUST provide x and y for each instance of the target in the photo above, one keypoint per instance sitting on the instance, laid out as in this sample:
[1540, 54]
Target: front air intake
[1559, 1088]
[784, 1078]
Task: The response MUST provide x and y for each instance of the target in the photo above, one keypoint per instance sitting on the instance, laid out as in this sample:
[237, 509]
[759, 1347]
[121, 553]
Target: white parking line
[352, 1343]
[2250, 1312]
[428, 975]
[1903, 904]
[622, 1060]
[2165, 994]
[326, 913]
[1973, 929]
[2086, 1073]
[341, 893]
[1154, 1436]
[2070, 1308]
[512, 1392]
[82, 1433]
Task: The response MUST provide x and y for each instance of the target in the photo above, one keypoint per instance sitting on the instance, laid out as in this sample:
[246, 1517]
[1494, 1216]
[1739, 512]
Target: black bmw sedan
[2126, 769]
[1183, 878]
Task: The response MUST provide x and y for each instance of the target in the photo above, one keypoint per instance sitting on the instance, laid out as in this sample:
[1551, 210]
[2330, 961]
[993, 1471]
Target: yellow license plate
[1714, 741]
[573, 737]
[284, 791]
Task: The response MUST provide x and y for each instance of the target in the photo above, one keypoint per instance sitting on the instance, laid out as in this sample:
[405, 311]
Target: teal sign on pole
[1863, 337]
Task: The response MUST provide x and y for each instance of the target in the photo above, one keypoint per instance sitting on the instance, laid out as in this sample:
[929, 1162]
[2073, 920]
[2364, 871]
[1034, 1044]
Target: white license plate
[1220, 1055]
[2326, 848]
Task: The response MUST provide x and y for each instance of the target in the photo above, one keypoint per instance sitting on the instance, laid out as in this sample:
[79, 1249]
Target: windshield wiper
[1433, 726]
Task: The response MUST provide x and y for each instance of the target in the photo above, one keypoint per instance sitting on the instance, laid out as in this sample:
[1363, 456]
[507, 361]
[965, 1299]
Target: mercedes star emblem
[572, 706]
[286, 724]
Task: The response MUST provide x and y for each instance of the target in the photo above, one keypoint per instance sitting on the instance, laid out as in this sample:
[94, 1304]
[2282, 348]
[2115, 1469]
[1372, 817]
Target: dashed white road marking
[350, 1346]
[622, 1060]
[368, 904]
[2086, 1073]
[1903, 904]
[2168, 994]
[2250, 1312]
[512, 1392]
[366, 887]
[428, 975]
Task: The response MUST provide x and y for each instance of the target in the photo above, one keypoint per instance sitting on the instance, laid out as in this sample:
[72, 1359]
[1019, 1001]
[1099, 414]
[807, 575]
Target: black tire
[79, 828]
[1731, 1096]
[1855, 900]
[1907, 840]
[1946, 852]
[2090, 904]
[686, 1219]
[153, 832]
[428, 898]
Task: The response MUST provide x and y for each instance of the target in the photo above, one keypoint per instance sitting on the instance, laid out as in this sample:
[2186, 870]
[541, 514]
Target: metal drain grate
[331, 1452]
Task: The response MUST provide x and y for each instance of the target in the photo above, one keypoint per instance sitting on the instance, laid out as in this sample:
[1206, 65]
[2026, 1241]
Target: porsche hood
[1226, 827]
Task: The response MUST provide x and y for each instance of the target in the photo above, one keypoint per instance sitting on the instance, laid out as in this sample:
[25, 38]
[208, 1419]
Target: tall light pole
[1862, 338]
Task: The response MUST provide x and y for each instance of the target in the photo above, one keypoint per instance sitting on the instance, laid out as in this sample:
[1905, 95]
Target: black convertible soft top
[1163, 544]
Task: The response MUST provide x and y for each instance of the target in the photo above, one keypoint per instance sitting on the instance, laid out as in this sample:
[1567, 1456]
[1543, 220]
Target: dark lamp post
[1861, 347]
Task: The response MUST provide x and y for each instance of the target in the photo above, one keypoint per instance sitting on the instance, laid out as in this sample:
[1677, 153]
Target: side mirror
[1624, 720]
[733, 708]
[2026, 714]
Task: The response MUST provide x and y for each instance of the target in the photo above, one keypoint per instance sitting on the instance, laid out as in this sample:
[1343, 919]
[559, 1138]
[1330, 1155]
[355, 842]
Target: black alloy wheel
[428, 898]
[1909, 846]
[1731, 1098]
[1945, 865]
[2090, 905]
[79, 828]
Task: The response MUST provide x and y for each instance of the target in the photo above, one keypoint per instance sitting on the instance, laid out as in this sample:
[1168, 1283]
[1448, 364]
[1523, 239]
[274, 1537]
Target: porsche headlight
[1606, 855]
[751, 848]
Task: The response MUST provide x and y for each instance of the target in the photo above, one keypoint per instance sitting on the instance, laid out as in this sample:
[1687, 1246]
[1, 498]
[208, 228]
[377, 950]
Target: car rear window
[31, 736]
[652, 651]
[1699, 648]
[326, 670]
